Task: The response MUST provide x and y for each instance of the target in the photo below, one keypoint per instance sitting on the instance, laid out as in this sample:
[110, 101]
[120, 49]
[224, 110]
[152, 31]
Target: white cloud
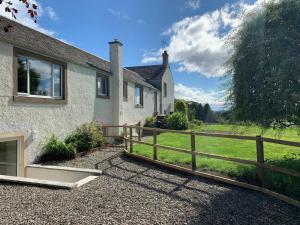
[119, 14]
[24, 18]
[141, 21]
[51, 13]
[124, 16]
[214, 98]
[198, 44]
[193, 4]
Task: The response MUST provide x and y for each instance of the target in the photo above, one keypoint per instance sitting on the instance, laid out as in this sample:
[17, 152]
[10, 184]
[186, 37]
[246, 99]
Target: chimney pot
[116, 41]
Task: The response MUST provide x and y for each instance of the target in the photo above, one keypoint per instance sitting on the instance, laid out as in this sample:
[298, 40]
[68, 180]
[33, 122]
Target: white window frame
[52, 80]
[18, 152]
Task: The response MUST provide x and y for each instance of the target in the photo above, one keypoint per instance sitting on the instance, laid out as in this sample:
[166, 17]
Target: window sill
[139, 106]
[28, 99]
[125, 99]
[103, 96]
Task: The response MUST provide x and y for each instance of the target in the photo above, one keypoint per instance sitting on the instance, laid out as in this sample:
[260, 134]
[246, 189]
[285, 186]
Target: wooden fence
[259, 163]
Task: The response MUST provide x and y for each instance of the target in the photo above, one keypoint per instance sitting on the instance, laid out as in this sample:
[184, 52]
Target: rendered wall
[132, 114]
[40, 121]
[168, 102]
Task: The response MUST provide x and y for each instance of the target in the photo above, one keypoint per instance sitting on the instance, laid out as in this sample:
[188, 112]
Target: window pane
[22, 74]
[137, 95]
[99, 86]
[40, 78]
[8, 158]
[125, 84]
[102, 86]
[57, 81]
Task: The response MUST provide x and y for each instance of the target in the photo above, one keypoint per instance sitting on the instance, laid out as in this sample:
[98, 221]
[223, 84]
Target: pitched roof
[29, 39]
[151, 72]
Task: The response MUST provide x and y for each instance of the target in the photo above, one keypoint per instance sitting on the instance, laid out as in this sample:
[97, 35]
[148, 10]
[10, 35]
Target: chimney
[116, 68]
[165, 57]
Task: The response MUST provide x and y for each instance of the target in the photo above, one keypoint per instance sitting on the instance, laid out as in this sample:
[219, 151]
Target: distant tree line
[195, 111]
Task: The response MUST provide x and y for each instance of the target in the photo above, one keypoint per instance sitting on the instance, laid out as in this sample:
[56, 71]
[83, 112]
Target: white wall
[131, 114]
[42, 120]
[168, 102]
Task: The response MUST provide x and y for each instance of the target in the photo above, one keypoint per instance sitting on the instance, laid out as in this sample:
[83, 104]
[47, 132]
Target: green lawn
[280, 155]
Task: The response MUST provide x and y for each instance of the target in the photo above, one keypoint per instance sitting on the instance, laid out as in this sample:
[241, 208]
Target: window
[165, 90]
[125, 91]
[9, 158]
[38, 78]
[139, 96]
[102, 86]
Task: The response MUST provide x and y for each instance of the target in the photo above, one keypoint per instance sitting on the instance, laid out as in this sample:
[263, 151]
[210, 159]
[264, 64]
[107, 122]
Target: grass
[280, 155]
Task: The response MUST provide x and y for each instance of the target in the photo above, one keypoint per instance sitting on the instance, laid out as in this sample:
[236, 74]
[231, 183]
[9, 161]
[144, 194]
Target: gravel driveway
[130, 192]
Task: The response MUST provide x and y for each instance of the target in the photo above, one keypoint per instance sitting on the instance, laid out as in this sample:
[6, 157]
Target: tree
[265, 65]
[208, 113]
[180, 106]
[200, 113]
[9, 8]
[192, 110]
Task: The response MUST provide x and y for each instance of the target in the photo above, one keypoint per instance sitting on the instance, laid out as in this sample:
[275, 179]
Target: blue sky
[193, 31]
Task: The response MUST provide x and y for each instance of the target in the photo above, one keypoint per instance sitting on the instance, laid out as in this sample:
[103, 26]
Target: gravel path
[130, 192]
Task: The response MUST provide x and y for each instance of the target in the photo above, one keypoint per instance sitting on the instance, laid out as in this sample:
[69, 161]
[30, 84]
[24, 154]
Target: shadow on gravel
[215, 203]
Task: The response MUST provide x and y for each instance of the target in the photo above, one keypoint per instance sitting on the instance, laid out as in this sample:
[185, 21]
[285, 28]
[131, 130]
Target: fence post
[260, 160]
[130, 141]
[154, 144]
[193, 148]
[139, 131]
[125, 135]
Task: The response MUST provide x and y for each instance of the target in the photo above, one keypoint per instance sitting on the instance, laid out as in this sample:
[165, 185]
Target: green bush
[282, 182]
[177, 121]
[150, 122]
[194, 124]
[55, 149]
[86, 137]
[97, 136]
[181, 106]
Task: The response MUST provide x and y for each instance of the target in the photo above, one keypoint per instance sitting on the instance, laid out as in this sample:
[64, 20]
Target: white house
[50, 87]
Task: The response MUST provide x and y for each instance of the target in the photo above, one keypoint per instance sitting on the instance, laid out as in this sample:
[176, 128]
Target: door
[155, 102]
[9, 158]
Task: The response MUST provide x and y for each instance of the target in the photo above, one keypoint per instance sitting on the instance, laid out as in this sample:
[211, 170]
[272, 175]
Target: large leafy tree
[265, 64]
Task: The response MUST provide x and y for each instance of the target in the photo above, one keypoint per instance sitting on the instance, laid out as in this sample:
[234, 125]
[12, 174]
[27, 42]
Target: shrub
[177, 121]
[150, 121]
[181, 106]
[97, 136]
[86, 137]
[194, 124]
[55, 149]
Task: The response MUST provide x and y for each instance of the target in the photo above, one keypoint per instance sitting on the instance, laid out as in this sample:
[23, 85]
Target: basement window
[9, 158]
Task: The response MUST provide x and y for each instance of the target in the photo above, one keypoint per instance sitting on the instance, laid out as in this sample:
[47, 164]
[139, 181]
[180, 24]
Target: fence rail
[259, 163]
